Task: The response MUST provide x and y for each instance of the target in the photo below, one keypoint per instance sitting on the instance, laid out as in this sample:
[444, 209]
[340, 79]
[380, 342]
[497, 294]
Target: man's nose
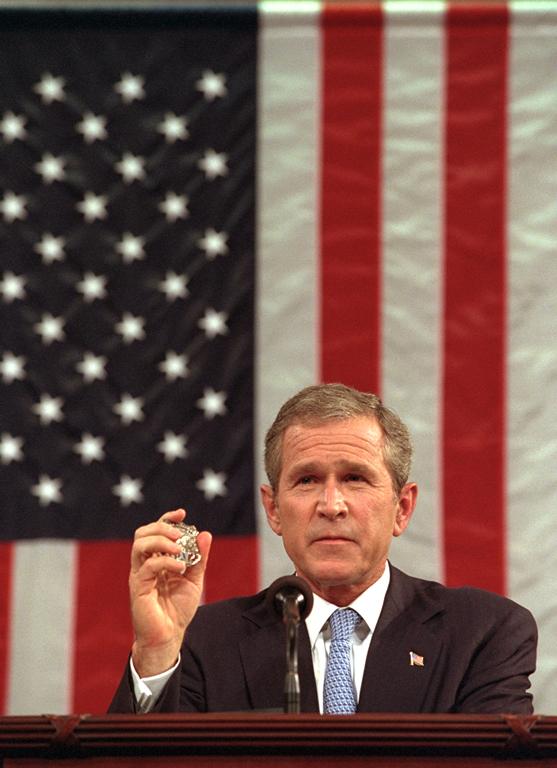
[331, 501]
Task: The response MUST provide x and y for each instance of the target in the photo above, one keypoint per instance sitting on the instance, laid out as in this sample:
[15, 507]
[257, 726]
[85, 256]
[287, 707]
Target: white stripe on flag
[287, 226]
[532, 361]
[412, 260]
[42, 627]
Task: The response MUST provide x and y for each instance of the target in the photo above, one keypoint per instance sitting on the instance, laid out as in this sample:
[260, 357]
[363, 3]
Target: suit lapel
[391, 683]
[263, 654]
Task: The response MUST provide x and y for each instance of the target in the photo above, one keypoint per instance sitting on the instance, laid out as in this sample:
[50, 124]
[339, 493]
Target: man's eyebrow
[356, 467]
[346, 465]
[304, 467]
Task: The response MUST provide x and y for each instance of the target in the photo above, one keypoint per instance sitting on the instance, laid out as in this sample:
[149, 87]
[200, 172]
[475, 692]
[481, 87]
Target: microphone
[292, 598]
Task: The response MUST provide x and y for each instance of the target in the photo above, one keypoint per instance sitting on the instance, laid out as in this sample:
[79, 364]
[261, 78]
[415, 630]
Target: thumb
[197, 572]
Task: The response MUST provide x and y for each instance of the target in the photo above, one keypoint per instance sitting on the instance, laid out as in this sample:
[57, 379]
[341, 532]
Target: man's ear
[405, 507]
[271, 508]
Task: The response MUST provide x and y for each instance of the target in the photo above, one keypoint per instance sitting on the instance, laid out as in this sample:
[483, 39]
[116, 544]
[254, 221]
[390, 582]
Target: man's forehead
[360, 431]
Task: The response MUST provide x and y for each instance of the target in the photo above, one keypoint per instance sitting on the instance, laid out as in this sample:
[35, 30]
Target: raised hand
[164, 594]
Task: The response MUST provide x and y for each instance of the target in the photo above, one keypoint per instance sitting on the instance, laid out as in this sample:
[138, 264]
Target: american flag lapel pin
[416, 660]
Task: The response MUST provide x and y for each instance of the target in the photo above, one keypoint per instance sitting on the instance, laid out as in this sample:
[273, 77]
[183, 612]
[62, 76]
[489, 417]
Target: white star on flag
[50, 88]
[51, 168]
[213, 243]
[50, 328]
[131, 247]
[92, 127]
[213, 164]
[93, 207]
[212, 484]
[10, 448]
[92, 367]
[92, 287]
[130, 87]
[212, 403]
[129, 409]
[12, 127]
[174, 366]
[131, 328]
[90, 448]
[131, 168]
[12, 207]
[212, 85]
[12, 367]
[12, 287]
[173, 127]
[49, 409]
[213, 323]
[48, 490]
[128, 490]
[173, 446]
[174, 206]
[174, 286]
[51, 248]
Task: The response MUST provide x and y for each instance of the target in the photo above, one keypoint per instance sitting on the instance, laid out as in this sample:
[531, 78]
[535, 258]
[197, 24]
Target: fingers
[174, 516]
[157, 541]
[150, 571]
[158, 536]
[151, 540]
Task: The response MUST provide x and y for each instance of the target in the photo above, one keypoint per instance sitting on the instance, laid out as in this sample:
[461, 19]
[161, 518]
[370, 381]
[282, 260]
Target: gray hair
[334, 402]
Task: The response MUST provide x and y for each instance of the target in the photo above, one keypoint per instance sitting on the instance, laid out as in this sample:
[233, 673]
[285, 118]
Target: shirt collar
[368, 605]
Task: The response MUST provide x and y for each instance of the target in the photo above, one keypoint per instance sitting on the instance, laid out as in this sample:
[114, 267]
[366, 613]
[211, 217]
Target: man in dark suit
[338, 463]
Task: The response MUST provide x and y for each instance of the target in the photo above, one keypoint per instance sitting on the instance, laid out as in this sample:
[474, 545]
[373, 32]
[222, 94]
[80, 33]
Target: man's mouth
[332, 539]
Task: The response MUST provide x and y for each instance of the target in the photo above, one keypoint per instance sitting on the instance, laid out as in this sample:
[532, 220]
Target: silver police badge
[190, 553]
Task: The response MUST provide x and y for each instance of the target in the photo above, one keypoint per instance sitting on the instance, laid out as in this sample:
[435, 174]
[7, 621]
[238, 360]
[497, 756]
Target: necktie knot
[343, 623]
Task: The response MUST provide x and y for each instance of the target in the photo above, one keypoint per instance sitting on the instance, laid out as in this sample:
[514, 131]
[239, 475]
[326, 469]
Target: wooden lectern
[250, 740]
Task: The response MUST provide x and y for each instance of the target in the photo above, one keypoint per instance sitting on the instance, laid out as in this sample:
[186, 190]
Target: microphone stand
[292, 599]
[291, 618]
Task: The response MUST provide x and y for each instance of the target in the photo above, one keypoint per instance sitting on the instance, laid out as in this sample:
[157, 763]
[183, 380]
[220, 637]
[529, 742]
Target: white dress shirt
[369, 605]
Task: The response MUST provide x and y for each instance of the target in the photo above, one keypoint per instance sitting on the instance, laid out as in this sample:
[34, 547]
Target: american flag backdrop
[202, 211]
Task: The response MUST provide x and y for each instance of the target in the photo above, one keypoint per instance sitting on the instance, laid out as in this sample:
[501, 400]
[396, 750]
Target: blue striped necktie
[339, 696]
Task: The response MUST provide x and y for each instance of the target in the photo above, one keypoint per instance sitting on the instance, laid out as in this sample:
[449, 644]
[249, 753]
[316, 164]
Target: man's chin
[330, 574]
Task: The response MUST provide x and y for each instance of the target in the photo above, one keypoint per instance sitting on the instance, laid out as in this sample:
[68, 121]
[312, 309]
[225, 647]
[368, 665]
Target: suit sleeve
[182, 693]
[497, 679]
[123, 702]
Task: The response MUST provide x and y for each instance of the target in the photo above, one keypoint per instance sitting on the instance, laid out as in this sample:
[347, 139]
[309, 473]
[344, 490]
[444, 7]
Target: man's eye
[354, 478]
[305, 480]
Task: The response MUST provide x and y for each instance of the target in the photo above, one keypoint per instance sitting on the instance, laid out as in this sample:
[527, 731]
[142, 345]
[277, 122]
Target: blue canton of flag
[126, 285]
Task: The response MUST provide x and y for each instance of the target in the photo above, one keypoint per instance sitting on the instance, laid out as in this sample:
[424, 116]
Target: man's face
[335, 505]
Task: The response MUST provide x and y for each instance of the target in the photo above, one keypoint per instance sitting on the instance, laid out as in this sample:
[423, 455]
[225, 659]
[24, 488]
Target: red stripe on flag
[103, 634]
[6, 559]
[350, 205]
[233, 567]
[474, 345]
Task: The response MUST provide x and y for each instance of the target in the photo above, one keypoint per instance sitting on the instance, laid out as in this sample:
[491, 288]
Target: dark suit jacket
[478, 650]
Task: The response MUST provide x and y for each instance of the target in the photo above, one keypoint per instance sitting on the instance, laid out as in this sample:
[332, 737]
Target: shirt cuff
[148, 689]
